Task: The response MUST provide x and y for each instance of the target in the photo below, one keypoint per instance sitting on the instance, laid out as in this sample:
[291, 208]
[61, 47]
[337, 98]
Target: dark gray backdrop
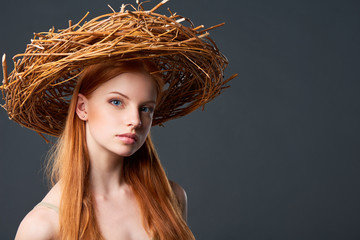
[274, 157]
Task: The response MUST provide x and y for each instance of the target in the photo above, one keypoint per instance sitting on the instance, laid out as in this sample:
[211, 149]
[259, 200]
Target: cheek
[146, 122]
[99, 118]
[94, 115]
[146, 132]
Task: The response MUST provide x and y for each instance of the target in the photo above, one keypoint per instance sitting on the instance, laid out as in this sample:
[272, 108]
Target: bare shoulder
[181, 197]
[39, 223]
[54, 195]
[179, 192]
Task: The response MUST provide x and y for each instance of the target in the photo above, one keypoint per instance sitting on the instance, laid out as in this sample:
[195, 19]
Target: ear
[81, 107]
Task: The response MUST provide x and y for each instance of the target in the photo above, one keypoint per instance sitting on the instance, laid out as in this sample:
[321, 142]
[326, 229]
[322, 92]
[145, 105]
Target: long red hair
[143, 171]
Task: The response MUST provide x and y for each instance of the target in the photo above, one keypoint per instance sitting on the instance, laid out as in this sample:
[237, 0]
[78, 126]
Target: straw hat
[38, 91]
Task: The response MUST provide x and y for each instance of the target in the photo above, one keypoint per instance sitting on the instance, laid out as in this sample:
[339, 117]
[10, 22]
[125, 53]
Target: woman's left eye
[147, 109]
[116, 102]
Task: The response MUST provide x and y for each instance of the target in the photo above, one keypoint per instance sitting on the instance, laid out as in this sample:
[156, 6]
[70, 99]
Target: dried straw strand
[4, 66]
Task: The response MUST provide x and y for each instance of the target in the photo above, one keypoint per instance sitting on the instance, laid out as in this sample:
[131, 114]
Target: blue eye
[116, 102]
[147, 109]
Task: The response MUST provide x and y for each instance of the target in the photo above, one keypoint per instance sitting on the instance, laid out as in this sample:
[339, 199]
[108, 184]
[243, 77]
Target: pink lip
[128, 138]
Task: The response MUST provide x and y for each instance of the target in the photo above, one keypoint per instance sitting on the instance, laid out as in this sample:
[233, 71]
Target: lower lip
[126, 140]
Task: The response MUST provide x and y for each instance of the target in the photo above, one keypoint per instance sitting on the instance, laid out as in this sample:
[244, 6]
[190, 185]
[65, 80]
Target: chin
[126, 153]
[125, 150]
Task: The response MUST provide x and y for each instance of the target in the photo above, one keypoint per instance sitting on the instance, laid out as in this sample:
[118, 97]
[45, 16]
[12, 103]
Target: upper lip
[129, 135]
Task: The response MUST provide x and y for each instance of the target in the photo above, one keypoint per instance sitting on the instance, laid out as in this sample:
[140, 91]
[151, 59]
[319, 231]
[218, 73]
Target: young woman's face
[119, 113]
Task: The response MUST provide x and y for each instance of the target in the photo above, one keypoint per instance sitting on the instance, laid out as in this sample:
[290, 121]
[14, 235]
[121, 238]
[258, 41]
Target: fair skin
[118, 116]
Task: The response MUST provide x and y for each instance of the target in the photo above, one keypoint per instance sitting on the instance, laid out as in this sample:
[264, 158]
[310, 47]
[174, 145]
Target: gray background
[276, 156]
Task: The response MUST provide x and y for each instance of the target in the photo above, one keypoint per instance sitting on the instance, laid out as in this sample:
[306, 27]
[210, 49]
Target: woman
[107, 123]
[100, 88]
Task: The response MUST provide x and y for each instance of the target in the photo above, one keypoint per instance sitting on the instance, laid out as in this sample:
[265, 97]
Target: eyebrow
[123, 95]
[120, 94]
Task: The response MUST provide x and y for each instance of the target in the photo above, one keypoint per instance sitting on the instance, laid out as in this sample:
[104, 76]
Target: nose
[134, 119]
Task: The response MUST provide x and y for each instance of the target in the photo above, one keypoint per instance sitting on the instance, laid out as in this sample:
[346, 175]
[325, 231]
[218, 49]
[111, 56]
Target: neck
[105, 170]
[105, 175]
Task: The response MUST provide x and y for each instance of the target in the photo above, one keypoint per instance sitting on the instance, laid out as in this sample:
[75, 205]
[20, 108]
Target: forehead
[132, 84]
